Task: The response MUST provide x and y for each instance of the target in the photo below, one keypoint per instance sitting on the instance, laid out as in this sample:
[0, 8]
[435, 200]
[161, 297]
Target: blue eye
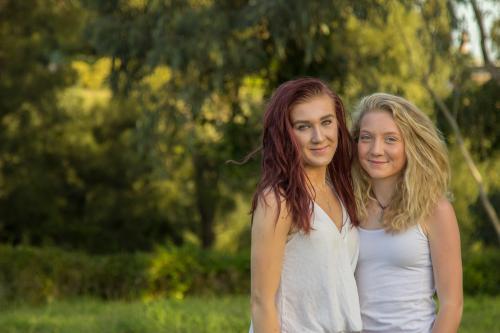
[327, 122]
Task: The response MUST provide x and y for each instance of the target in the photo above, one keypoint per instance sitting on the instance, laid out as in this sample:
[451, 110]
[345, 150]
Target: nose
[377, 147]
[317, 135]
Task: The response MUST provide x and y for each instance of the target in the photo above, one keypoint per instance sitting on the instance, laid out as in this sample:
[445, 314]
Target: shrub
[43, 274]
[38, 275]
[482, 271]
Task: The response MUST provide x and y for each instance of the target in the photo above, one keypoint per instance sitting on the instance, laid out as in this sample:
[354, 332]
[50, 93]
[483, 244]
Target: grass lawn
[197, 315]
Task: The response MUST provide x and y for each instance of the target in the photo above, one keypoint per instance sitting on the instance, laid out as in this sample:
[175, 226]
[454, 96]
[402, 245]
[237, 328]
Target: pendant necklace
[382, 207]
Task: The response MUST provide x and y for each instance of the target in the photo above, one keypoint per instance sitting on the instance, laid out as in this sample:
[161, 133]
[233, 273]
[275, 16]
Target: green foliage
[117, 117]
[483, 229]
[215, 49]
[93, 190]
[481, 271]
[36, 38]
[476, 106]
[36, 275]
[42, 275]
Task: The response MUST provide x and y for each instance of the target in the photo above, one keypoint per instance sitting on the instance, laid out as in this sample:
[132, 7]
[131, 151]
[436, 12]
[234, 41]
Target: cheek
[401, 154]
[332, 133]
[336, 131]
[400, 157]
[299, 137]
[362, 149]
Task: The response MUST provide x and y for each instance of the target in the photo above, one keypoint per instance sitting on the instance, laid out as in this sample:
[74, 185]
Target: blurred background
[118, 211]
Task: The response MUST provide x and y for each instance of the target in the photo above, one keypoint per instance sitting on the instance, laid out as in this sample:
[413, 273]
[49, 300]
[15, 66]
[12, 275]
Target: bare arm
[268, 245]
[444, 239]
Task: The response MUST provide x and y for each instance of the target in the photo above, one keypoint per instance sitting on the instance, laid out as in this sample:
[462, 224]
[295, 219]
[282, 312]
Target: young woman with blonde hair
[409, 237]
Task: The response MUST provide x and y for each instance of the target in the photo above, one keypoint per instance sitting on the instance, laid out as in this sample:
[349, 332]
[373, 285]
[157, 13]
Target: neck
[317, 177]
[383, 190]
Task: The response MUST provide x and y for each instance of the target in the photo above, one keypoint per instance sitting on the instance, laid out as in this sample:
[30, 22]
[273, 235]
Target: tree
[216, 50]
[431, 15]
[36, 38]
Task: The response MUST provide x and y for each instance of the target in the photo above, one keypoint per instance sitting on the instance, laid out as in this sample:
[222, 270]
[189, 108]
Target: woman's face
[315, 129]
[381, 149]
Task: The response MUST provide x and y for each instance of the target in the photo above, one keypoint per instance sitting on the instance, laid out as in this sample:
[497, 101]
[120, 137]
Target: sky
[491, 10]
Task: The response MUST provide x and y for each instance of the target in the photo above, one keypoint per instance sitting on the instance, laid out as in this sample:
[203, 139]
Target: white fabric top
[395, 281]
[317, 292]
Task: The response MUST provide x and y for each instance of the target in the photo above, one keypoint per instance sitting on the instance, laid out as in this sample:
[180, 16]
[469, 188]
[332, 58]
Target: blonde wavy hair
[426, 176]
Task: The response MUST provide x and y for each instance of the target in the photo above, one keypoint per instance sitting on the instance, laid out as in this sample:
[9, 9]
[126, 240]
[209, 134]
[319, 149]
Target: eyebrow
[385, 133]
[330, 115]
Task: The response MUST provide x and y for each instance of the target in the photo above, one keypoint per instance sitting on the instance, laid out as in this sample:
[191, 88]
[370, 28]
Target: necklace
[326, 191]
[382, 207]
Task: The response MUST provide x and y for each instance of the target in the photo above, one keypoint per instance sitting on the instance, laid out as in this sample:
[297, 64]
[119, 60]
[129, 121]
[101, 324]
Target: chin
[318, 164]
[381, 175]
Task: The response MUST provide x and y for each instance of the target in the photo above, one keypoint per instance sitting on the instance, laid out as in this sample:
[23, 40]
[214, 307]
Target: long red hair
[282, 165]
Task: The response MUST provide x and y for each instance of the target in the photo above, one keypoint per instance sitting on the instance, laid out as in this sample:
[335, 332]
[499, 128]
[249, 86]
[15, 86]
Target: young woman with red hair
[304, 244]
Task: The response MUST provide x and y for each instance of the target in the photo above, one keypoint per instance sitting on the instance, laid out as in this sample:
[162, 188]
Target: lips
[377, 162]
[320, 150]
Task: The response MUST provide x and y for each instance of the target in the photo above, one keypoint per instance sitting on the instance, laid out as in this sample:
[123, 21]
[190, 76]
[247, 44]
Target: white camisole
[317, 292]
[395, 281]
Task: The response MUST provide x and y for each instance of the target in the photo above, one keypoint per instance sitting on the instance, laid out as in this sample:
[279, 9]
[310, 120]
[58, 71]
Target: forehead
[315, 107]
[378, 121]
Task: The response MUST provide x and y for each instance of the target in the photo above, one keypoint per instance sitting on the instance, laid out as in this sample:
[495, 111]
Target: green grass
[197, 315]
[225, 314]
[481, 314]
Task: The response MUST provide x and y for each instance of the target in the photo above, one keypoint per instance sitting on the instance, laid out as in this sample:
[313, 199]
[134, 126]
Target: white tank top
[395, 281]
[317, 292]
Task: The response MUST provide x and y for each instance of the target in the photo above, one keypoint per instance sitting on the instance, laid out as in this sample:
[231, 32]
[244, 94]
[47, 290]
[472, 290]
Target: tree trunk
[488, 64]
[207, 195]
[490, 210]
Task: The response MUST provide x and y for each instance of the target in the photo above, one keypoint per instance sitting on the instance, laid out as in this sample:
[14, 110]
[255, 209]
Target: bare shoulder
[442, 220]
[271, 212]
[443, 213]
[270, 204]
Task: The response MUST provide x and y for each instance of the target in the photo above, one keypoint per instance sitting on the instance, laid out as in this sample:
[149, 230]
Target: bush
[38, 275]
[43, 274]
[482, 271]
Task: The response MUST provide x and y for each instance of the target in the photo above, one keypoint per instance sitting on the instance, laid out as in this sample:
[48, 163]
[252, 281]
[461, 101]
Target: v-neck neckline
[330, 219]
